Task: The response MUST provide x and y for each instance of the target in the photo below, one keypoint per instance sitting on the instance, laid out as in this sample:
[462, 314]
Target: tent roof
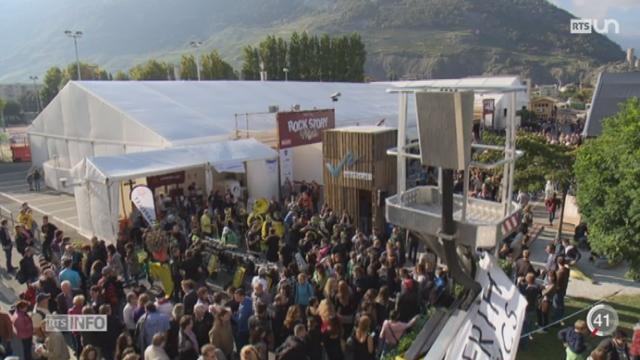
[183, 110]
[148, 163]
[611, 90]
[487, 84]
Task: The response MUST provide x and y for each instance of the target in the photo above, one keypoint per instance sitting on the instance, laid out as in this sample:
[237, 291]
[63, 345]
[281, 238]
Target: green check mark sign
[348, 160]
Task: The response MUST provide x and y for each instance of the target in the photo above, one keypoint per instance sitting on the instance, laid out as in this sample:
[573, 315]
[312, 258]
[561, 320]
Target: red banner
[303, 127]
[166, 179]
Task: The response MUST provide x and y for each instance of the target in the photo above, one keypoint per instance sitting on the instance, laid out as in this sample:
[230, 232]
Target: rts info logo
[588, 26]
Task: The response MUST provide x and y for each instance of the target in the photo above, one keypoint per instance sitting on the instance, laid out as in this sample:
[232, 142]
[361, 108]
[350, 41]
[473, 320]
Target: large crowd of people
[337, 292]
[317, 287]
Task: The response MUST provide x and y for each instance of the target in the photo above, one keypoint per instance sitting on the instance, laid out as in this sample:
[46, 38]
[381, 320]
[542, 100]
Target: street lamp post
[196, 45]
[75, 35]
[286, 74]
[35, 90]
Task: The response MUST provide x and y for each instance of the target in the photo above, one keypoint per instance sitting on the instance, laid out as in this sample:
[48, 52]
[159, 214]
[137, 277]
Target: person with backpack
[361, 341]
[393, 329]
[573, 339]
[295, 347]
[28, 272]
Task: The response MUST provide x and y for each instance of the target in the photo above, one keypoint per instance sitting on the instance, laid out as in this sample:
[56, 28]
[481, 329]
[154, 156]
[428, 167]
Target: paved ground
[14, 190]
[602, 283]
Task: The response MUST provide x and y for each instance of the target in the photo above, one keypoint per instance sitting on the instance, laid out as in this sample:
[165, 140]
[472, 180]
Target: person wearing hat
[408, 304]
[229, 236]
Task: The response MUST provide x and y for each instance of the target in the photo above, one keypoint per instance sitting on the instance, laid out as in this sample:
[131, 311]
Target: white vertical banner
[492, 328]
[286, 165]
[142, 198]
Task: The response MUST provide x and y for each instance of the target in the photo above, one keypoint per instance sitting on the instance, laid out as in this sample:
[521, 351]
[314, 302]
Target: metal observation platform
[454, 226]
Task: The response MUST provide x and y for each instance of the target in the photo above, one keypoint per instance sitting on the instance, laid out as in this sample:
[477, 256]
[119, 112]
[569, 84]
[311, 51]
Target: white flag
[142, 198]
[493, 325]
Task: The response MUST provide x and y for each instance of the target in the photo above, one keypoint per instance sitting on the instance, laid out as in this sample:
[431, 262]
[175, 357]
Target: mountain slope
[405, 38]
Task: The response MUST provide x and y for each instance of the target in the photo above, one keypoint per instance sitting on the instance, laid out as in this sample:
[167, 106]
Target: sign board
[166, 179]
[142, 198]
[298, 128]
[357, 175]
[488, 106]
[493, 325]
[286, 166]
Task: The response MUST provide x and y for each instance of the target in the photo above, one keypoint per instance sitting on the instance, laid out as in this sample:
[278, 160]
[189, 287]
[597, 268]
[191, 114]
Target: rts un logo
[588, 26]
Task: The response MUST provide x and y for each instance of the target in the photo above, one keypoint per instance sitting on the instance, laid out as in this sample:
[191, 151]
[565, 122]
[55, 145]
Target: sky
[626, 12]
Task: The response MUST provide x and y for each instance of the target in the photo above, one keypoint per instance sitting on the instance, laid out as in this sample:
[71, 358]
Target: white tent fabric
[99, 178]
[208, 108]
[103, 118]
[77, 124]
[123, 167]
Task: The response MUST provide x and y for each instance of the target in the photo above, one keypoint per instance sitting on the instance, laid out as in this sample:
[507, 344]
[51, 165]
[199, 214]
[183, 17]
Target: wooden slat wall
[370, 149]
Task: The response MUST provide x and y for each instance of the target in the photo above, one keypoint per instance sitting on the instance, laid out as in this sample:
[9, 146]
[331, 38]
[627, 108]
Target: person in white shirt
[155, 351]
[522, 199]
[260, 278]
[164, 305]
[127, 312]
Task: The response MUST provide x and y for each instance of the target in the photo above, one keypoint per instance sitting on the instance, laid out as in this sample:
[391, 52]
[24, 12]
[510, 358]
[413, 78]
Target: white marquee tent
[98, 118]
[98, 179]
[97, 122]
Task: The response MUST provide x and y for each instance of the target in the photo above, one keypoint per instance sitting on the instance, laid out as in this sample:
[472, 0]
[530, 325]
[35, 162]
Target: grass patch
[547, 346]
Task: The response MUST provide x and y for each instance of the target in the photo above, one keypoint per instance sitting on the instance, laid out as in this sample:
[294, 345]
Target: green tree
[12, 112]
[214, 68]
[357, 58]
[188, 68]
[250, 63]
[340, 53]
[541, 161]
[87, 72]
[305, 57]
[2, 104]
[51, 85]
[325, 58]
[28, 101]
[121, 76]
[608, 195]
[293, 57]
[268, 50]
[150, 70]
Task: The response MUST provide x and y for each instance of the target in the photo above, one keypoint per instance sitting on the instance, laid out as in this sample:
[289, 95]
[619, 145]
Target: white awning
[224, 156]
